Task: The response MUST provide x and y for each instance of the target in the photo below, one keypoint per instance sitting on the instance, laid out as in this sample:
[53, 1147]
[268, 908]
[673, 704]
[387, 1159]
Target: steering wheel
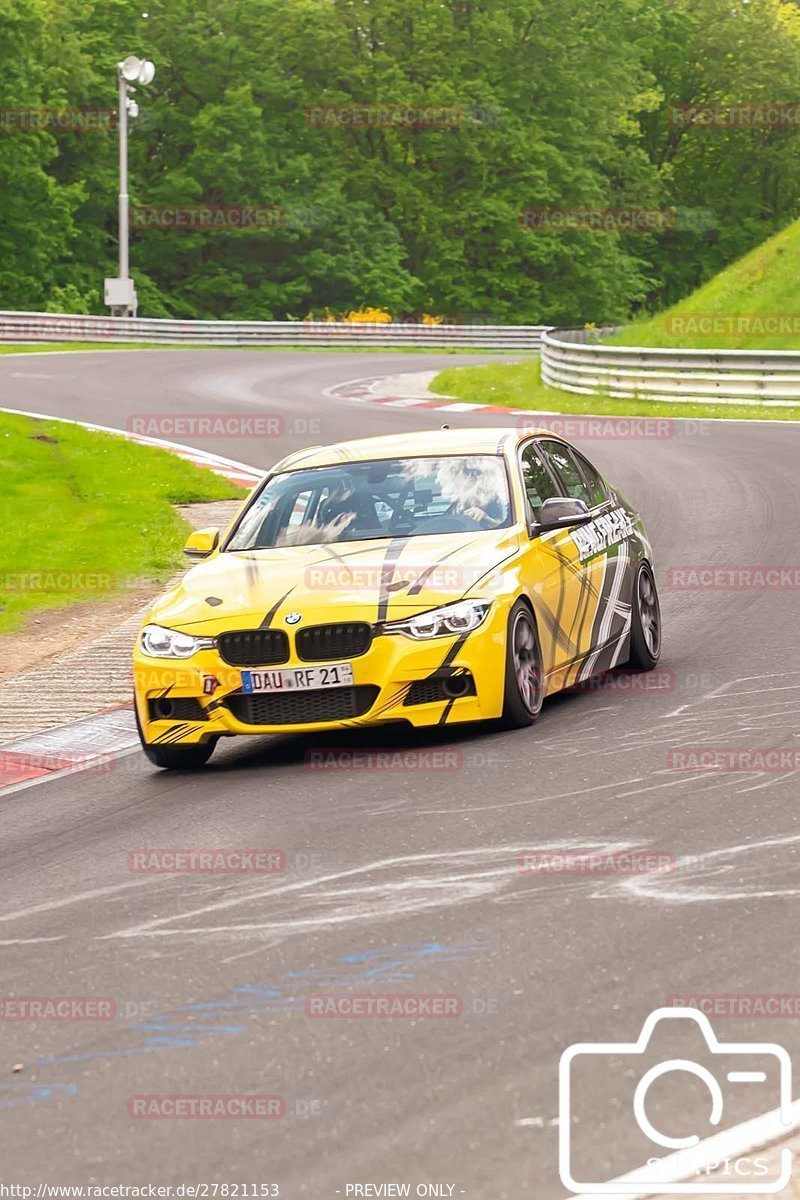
[452, 524]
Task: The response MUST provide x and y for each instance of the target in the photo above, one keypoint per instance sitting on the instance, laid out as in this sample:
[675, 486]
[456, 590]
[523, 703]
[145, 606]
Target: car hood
[369, 581]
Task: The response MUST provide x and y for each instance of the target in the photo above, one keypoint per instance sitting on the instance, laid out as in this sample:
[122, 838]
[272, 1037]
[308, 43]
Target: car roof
[427, 442]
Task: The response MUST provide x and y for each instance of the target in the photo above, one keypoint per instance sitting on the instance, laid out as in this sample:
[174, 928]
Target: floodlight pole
[122, 111]
[120, 293]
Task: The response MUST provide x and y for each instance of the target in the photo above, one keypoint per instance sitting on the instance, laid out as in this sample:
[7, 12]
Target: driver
[488, 517]
[346, 510]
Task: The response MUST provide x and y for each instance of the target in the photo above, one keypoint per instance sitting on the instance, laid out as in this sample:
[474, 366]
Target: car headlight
[462, 617]
[158, 642]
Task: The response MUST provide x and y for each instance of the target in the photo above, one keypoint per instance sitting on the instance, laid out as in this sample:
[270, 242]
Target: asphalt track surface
[408, 882]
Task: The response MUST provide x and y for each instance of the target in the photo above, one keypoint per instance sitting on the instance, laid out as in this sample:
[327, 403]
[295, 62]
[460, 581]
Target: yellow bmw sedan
[430, 578]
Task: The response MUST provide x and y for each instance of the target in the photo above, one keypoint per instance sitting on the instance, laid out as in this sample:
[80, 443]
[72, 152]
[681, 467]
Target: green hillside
[752, 305]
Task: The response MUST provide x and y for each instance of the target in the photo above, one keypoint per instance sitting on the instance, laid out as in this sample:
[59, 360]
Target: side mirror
[559, 512]
[201, 543]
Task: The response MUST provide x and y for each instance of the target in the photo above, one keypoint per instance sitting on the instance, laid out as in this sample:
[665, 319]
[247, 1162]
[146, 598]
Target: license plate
[298, 679]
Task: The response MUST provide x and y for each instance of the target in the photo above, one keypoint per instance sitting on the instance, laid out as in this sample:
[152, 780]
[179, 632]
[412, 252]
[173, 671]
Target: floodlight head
[131, 67]
[137, 70]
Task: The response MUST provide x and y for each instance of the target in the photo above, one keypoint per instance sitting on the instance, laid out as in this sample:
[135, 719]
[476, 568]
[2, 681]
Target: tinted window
[567, 472]
[597, 489]
[536, 478]
[356, 501]
[300, 509]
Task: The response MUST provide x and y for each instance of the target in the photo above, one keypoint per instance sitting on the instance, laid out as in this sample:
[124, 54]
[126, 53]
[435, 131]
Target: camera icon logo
[689, 1157]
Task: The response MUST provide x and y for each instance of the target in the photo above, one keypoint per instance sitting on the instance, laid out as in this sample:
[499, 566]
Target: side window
[597, 489]
[536, 478]
[300, 508]
[567, 472]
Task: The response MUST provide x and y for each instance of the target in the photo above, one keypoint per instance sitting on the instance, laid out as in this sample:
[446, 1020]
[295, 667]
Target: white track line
[189, 452]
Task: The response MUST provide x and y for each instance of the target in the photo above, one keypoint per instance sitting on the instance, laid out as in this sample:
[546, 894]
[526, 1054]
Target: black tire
[645, 620]
[524, 677]
[176, 757]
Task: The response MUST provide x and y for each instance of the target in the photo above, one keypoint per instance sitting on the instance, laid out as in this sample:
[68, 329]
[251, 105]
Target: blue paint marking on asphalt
[173, 1031]
[12, 1095]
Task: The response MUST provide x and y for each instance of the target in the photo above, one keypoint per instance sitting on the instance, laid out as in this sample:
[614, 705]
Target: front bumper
[391, 666]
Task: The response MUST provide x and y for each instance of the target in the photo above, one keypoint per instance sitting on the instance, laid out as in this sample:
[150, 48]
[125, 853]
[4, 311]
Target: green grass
[765, 283]
[519, 385]
[78, 501]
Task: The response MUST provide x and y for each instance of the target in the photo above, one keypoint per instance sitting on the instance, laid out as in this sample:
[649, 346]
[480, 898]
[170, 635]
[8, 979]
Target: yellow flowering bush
[369, 316]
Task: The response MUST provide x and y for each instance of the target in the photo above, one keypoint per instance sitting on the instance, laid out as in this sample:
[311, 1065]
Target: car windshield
[404, 497]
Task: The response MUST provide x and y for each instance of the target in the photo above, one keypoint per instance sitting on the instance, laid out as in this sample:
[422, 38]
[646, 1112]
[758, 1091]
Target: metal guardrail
[53, 327]
[573, 360]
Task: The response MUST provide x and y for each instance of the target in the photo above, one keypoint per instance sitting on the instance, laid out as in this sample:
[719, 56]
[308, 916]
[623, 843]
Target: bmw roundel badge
[293, 618]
